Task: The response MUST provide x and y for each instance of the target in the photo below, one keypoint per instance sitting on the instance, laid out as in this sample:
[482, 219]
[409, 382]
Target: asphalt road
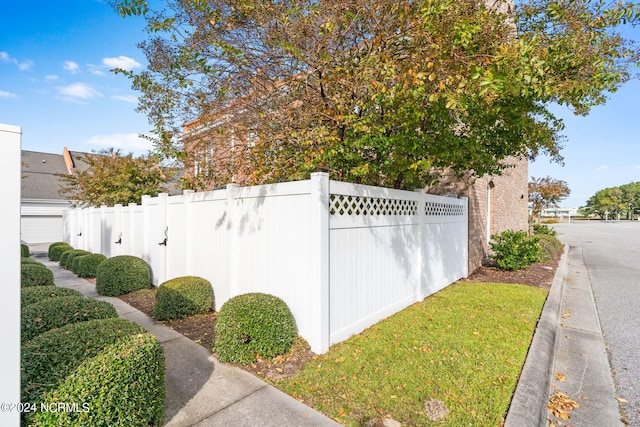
[612, 257]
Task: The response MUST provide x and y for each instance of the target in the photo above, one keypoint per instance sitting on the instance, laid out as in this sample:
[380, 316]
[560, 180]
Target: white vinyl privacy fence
[342, 256]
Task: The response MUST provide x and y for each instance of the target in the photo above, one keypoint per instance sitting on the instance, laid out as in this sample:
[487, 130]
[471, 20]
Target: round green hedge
[24, 250]
[25, 260]
[35, 275]
[67, 258]
[88, 264]
[182, 297]
[55, 252]
[50, 357]
[56, 312]
[34, 294]
[121, 386]
[253, 324]
[122, 274]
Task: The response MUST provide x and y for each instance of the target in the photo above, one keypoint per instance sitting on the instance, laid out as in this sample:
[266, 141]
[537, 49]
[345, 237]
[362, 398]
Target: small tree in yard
[545, 193]
[113, 178]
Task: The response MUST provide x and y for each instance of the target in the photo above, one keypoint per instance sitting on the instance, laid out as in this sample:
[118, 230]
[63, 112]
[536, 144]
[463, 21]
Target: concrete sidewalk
[567, 355]
[201, 391]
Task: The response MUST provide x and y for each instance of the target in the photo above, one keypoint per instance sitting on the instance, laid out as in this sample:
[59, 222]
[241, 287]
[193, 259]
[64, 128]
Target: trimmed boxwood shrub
[55, 252]
[50, 357]
[122, 274]
[182, 297]
[122, 386]
[56, 312]
[550, 246]
[25, 260]
[67, 258]
[88, 264]
[515, 250]
[253, 324]
[35, 275]
[34, 294]
[24, 250]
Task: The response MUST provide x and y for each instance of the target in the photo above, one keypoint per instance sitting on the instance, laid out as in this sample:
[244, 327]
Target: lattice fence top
[443, 209]
[360, 205]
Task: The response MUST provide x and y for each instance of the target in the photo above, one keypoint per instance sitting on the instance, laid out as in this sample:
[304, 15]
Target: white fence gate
[342, 256]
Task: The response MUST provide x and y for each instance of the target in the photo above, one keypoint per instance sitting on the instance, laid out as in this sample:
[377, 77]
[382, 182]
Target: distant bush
[122, 386]
[122, 274]
[53, 245]
[34, 294]
[544, 229]
[550, 246]
[182, 297]
[67, 258]
[253, 324]
[56, 312]
[49, 358]
[515, 250]
[88, 264]
[24, 250]
[55, 252]
[35, 275]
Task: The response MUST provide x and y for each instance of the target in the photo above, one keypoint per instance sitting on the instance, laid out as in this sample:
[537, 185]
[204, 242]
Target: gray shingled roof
[39, 180]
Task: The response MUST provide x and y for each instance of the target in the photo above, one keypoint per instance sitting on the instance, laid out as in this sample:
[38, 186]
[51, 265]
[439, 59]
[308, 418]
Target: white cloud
[126, 98]
[51, 78]
[123, 62]
[78, 91]
[127, 142]
[23, 66]
[95, 69]
[602, 167]
[4, 94]
[71, 67]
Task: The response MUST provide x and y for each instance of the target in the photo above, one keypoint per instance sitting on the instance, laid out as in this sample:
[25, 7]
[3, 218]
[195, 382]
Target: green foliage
[50, 357]
[251, 325]
[122, 274]
[24, 250]
[55, 252]
[515, 250]
[35, 275]
[546, 192]
[53, 245]
[550, 246]
[387, 93]
[182, 297]
[34, 294]
[611, 202]
[56, 312]
[121, 386]
[66, 259]
[88, 265]
[24, 260]
[113, 178]
[539, 229]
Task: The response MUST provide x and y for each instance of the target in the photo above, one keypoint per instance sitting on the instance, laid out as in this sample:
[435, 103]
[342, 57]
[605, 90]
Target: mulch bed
[200, 328]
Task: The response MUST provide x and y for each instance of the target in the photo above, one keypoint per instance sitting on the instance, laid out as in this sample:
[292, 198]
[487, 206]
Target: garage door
[41, 229]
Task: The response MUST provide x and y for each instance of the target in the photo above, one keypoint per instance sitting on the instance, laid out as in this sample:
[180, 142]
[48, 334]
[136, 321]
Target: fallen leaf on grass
[560, 404]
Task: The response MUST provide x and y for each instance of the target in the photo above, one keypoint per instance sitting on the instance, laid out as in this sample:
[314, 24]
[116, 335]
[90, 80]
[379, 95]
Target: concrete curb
[528, 406]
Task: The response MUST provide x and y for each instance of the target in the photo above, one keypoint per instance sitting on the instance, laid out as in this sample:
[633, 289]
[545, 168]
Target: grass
[464, 346]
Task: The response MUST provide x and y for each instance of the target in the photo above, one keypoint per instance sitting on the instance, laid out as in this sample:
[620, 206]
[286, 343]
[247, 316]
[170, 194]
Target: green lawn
[464, 346]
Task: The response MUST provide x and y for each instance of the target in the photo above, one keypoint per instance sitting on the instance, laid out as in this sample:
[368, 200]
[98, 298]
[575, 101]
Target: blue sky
[55, 83]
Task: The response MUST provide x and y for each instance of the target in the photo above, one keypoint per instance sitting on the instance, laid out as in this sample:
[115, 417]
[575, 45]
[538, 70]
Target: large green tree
[111, 177]
[386, 92]
[623, 200]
